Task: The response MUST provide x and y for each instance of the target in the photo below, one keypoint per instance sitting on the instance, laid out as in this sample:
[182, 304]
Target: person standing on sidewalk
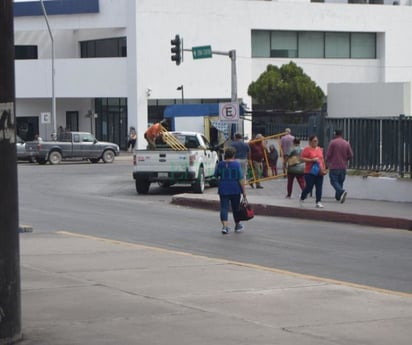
[257, 156]
[231, 186]
[295, 167]
[242, 152]
[338, 154]
[273, 156]
[311, 154]
[131, 142]
[286, 142]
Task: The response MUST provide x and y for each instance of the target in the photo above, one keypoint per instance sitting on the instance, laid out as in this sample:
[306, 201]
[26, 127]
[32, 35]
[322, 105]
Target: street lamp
[52, 61]
[181, 89]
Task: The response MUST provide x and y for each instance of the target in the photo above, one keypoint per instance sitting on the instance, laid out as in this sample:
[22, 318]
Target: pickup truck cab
[73, 145]
[192, 160]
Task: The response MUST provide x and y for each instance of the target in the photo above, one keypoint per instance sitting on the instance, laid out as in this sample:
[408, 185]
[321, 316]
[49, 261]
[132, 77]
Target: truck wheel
[108, 156]
[199, 185]
[55, 157]
[142, 186]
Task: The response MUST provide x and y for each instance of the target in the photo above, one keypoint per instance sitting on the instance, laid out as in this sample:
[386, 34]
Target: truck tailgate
[162, 161]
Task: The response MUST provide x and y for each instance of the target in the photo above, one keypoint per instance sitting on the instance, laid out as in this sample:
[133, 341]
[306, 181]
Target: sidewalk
[79, 290]
[271, 201]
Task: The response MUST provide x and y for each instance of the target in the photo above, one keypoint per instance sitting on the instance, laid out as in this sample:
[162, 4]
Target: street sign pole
[10, 304]
[232, 55]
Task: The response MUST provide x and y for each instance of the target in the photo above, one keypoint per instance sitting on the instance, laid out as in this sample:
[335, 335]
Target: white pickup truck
[192, 162]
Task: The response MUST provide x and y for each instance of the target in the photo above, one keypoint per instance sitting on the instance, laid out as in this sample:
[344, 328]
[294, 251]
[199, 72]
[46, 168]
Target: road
[100, 200]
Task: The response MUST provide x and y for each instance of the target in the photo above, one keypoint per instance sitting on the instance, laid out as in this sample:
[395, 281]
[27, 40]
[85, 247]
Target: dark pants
[312, 180]
[337, 177]
[225, 202]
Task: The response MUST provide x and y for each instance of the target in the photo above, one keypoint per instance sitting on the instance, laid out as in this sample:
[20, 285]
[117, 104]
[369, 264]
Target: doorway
[111, 121]
[72, 121]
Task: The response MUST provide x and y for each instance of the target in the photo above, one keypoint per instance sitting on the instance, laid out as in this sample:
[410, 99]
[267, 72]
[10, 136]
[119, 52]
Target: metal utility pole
[10, 297]
[232, 55]
[52, 62]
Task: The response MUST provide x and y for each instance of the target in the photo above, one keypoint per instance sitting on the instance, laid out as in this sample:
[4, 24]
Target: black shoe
[259, 187]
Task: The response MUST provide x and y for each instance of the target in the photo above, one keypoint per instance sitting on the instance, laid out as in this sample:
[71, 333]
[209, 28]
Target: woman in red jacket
[311, 154]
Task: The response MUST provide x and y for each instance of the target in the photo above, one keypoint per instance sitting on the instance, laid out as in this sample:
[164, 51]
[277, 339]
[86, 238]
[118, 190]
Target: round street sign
[229, 112]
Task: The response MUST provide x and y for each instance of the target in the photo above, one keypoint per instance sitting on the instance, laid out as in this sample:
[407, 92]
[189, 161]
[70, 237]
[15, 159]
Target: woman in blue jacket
[231, 186]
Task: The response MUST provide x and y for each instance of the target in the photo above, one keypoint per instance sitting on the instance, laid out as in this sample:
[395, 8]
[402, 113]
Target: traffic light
[176, 49]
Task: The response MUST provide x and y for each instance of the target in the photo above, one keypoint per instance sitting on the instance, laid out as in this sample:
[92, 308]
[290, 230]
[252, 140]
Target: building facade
[112, 60]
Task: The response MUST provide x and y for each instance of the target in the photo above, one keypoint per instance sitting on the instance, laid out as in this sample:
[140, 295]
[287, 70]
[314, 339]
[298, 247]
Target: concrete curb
[302, 213]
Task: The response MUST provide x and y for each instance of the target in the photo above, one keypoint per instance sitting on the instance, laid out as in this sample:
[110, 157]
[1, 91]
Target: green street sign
[202, 52]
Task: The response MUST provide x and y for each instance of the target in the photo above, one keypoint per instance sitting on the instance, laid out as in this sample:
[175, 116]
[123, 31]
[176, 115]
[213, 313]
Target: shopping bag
[315, 169]
[245, 211]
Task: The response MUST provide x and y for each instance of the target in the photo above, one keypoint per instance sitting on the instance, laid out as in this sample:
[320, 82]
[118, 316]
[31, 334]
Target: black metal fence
[379, 144]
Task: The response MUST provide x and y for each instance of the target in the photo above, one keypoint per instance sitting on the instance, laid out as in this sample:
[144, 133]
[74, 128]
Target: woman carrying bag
[295, 167]
[231, 187]
[314, 170]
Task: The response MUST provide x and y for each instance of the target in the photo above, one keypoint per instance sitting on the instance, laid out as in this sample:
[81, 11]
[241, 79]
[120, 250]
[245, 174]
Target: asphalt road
[100, 200]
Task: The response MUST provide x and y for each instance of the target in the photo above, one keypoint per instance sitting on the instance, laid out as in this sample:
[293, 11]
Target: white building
[112, 57]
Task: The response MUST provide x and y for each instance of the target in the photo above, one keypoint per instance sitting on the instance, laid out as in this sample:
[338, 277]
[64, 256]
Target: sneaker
[301, 202]
[343, 197]
[239, 228]
[288, 197]
[225, 230]
[319, 205]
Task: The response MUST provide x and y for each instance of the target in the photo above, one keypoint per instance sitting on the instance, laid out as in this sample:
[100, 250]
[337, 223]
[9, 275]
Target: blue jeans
[337, 177]
[225, 202]
[310, 181]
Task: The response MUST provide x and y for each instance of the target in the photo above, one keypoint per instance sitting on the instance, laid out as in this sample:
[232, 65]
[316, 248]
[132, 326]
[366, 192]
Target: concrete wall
[369, 99]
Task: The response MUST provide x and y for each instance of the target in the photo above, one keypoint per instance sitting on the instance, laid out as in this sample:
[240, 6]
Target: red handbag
[245, 211]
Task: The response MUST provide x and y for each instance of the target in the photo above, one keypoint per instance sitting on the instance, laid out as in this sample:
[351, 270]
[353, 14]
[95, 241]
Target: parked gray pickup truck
[73, 145]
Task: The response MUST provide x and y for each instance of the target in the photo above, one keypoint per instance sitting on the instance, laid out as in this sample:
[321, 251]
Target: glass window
[363, 45]
[260, 43]
[87, 138]
[337, 45]
[284, 44]
[311, 44]
[26, 52]
[110, 47]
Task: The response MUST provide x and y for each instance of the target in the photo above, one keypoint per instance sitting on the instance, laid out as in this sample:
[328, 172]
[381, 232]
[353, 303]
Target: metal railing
[378, 144]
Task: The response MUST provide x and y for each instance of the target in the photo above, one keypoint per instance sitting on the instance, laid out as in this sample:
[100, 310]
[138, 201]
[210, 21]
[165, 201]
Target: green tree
[286, 88]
